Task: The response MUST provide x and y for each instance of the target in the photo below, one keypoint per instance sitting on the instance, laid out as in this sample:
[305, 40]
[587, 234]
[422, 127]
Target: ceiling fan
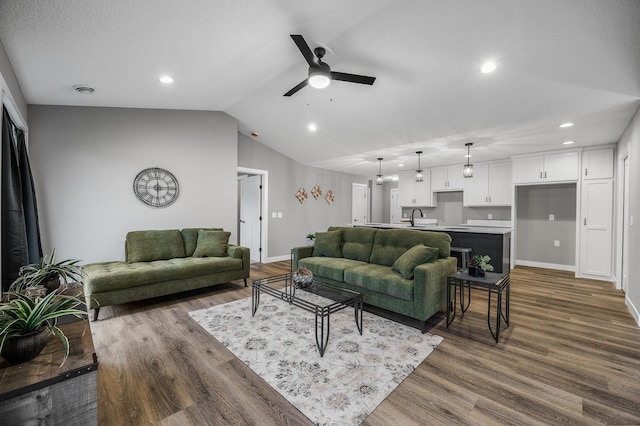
[320, 74]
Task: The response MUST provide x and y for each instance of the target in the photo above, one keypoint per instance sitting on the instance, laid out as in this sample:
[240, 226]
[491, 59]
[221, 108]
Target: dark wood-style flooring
[570, 356]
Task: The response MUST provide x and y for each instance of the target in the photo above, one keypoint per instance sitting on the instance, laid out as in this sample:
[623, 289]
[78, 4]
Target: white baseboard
[556, 266]
[278, 258]
[633, 310]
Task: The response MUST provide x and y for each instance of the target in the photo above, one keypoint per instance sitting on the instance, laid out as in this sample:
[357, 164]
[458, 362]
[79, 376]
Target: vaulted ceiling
[557, 61]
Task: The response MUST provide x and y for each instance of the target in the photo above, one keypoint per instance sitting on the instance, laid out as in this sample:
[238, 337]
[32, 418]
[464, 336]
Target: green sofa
[161, 262]
[371, 262]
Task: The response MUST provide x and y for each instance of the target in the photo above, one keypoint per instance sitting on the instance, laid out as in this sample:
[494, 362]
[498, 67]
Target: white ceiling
[558, 61]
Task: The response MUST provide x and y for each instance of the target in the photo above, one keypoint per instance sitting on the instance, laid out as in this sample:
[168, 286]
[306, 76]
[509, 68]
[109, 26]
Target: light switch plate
[552, 217]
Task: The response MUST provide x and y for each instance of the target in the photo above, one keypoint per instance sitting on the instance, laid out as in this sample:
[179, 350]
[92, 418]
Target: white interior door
[395, 211]
[359, 203]
[597, 209]
[250, 220]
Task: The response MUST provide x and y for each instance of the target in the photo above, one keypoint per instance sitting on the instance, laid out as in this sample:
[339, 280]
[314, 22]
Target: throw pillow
[212, 243]
[328, 244]
[413, 257]
[147, 246]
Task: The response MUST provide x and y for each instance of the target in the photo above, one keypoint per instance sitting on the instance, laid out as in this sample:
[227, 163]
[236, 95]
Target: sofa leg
[95, 314]
[245, 282]
[423, 326]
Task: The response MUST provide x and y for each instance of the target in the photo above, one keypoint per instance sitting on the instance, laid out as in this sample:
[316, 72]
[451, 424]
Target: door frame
[367, 197]
[264, 237]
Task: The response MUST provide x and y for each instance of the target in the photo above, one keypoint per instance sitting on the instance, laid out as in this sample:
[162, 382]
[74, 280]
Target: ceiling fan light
[319, 78]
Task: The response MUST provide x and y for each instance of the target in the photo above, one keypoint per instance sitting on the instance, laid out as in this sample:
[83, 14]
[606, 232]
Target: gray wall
[536, 233]
[10, 78]
[285, 178]
[84, 161]
[629, 145]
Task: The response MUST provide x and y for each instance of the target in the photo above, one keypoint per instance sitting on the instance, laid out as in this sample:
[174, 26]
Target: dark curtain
[20, 230]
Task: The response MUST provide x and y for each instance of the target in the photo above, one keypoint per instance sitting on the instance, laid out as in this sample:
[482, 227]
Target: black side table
[491, 283]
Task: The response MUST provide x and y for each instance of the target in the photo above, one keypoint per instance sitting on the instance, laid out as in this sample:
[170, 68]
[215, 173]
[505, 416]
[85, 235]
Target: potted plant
[25, 324]
[310, 238]
[480, 264]
[47, 272]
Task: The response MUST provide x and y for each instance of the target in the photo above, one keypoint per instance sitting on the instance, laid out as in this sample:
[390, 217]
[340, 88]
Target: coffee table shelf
[335, 299]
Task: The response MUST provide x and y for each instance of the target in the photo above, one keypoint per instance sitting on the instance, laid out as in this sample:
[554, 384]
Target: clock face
[156, 187]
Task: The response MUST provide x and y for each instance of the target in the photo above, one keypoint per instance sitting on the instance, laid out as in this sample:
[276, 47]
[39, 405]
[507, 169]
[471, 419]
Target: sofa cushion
[147, 246]
[329, 267]
[380, 279]
[111, 276]
[190, 237]
[212, 243]
[413, 257]
[356, 242]
[328, 244]
[390, 244]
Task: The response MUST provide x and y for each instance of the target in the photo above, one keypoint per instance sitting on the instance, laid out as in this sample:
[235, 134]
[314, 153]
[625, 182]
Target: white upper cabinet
[597, 164]
[447, 178]
[490, 185]
[412, 193]
[558, 167]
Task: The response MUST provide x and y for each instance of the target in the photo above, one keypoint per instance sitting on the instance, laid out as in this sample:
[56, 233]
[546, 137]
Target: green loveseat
[364, 260]
[161, 262]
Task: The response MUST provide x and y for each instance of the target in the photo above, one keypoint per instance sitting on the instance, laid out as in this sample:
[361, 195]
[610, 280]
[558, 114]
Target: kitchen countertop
[472, 229]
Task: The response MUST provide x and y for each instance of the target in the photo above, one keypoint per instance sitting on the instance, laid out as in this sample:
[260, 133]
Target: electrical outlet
[556, 243]
[279, 215]
[552, 217]
[489, 216]
[274, 215]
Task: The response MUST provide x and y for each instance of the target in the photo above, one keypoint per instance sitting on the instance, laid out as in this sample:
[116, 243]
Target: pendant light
[419, 171]
[467, 169]
[379, 176]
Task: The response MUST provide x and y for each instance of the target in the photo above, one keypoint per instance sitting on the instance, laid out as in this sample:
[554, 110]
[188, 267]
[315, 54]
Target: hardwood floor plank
[570, 355]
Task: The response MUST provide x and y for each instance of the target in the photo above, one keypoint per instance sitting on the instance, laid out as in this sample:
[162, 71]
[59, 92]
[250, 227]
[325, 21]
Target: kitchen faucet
[413, 223]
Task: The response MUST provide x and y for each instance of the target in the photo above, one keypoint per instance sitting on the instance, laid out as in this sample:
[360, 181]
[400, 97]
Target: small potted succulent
[310, 238]
[302, 277]
[479, 265]
[48, 273]
[26, 323]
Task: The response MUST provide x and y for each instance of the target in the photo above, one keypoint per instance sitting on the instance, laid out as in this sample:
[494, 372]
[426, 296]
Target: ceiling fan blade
[352, 78]
[305, 50]
[298, 87]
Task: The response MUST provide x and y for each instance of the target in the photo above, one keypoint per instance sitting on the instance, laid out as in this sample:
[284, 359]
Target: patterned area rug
[342, 388]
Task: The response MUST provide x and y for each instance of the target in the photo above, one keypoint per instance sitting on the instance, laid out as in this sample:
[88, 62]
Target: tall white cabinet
[596, 214]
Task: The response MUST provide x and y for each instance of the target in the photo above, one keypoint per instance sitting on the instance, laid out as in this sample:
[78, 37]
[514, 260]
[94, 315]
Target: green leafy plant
[482, 261]
[21, 315]
[45, 270]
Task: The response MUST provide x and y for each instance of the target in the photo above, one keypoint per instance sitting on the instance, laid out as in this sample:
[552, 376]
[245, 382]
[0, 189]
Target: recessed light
[488, 67]
[166, 79]
[565, 125]
[568, 142]
[312, 127]
[401, 165]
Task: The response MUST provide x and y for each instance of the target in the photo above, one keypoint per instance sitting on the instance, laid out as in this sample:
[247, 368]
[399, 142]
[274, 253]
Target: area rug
[356, 373]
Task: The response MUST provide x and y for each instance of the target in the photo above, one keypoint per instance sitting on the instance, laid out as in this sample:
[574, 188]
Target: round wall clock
[156, 187]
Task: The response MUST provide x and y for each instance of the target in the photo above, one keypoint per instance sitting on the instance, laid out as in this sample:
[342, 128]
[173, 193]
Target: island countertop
[471, 229]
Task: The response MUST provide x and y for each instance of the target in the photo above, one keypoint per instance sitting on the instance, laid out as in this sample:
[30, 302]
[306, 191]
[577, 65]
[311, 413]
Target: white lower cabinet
[490, 185]
[596, 230]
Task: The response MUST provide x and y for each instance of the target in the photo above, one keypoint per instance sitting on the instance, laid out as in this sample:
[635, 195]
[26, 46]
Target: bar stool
[465, 256]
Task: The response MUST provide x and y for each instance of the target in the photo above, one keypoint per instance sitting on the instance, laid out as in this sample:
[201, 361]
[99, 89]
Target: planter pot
[19, 349]
[475, 271]
[52, 284]
[302, 281]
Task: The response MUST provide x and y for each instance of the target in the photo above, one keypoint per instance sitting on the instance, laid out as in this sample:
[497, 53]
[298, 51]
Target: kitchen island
[492, 241]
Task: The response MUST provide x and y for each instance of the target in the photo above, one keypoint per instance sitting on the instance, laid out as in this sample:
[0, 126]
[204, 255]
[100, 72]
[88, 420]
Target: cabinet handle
[586, 172]
[585, 221]
[545, 175]
[540, 175]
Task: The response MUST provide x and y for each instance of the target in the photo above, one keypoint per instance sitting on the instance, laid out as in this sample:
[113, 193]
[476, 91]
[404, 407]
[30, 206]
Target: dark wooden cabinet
[42, 392]
[496, 246]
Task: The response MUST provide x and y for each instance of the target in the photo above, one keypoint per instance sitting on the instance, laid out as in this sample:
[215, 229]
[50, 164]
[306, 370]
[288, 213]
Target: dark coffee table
[336, 299]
